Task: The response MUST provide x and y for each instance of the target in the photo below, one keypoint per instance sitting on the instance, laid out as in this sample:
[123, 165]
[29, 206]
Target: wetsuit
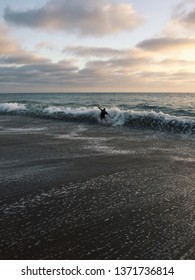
[103, 113]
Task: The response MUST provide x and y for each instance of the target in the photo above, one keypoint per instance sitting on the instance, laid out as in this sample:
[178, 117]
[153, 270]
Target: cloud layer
[84, 17]
[165, 43]
[160, 63]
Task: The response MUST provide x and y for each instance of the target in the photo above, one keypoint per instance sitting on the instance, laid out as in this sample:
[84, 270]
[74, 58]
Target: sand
[76, 191]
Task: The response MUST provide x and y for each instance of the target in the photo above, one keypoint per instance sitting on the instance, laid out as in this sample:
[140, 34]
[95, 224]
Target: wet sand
[72, 191]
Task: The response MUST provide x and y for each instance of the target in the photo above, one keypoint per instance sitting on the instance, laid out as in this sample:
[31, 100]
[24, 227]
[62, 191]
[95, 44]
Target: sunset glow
[106, 46]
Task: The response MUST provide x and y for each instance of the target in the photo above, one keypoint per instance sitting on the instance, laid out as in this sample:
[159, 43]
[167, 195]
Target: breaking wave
[128, 118]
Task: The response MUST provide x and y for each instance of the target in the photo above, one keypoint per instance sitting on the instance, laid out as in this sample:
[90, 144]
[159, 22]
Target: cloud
[85, 51]
[184, 14]
[102, 68]
[164, 43]
[84, 17]
[7, 44]
[35, 74]
[94, 76]
[11, 51]
[22, 59]
[114, 72]
[182, 21]
[189, 19]
[131, 71]
[21, 69]
[46, 45]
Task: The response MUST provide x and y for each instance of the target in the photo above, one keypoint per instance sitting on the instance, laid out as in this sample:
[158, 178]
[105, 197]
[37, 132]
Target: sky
[97, 46]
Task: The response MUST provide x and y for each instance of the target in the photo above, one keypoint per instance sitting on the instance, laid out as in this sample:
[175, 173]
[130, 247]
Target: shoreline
[71, 191]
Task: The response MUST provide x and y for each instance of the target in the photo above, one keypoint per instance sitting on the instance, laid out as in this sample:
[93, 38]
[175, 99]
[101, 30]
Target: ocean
[75, 187]
[162, 112]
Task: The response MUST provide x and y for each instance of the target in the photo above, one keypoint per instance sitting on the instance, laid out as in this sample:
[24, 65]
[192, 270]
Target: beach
[97, 137]
[91, 191]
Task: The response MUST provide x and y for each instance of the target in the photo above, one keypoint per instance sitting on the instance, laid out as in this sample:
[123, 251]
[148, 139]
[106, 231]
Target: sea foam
[11, 107]
[118, 117]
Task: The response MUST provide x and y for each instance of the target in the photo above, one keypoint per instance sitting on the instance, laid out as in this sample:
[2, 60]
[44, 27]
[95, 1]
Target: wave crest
[129, 118]
[11, 107]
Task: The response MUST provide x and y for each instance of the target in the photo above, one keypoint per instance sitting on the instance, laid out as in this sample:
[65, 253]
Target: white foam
[30, 130]
[109, 150]
[73, 134]
[118, 117]
[72, 111]
[186, 159]
[11, 107]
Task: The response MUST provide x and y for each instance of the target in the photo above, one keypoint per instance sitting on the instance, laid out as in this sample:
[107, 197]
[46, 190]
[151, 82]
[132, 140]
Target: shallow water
[82, 191]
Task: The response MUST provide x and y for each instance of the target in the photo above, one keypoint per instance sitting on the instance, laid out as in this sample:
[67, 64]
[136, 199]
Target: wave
[11, 107]
[118, 117]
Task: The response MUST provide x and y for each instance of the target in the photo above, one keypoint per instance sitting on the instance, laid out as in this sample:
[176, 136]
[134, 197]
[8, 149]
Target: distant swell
[129, 118]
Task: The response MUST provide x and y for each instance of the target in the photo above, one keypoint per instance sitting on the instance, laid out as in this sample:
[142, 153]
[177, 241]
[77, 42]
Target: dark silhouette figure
[103, 113]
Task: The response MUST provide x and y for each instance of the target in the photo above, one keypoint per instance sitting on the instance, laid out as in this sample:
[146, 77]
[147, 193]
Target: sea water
[168, 112]
[72, 187]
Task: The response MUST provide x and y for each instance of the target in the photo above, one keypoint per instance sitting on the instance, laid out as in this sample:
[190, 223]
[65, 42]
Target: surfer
[103, 113]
